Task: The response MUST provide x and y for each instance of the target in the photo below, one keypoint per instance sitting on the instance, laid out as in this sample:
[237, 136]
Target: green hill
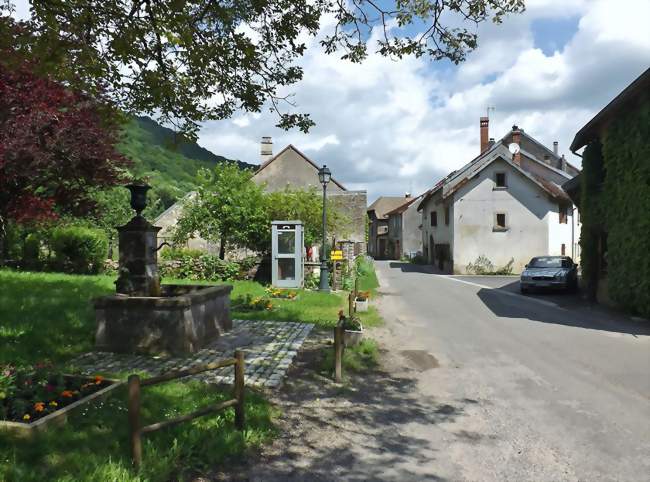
[169, 164]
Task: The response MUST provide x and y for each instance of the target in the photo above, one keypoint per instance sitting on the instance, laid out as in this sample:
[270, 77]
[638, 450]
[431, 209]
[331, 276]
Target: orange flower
[39, 406]
[26, 416]
[99, 379]
[67, 393]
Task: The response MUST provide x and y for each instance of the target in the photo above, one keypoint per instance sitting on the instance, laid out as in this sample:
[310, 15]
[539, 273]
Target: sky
[391, 127]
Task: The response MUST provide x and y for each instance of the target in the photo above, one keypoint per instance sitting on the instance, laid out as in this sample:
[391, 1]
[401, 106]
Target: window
[434, 218]
[500, 180]
[563, 249]
[563, 213]
[447, 215]
[500, 222]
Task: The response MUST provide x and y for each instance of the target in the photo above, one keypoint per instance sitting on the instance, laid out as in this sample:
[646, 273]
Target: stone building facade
[293, 169]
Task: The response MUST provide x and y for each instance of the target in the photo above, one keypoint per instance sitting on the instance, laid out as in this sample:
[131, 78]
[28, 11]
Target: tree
[175, 57]
[56, 146]
[228, 209]
[306, 205]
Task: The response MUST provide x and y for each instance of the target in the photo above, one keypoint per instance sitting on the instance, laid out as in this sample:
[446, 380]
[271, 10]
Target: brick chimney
[266, 149]
[485, 127]
[516, 139]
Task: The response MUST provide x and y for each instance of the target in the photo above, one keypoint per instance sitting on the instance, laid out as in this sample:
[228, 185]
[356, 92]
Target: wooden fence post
[356, 286]
[351, 304]
[338, 353]
[134, 419]
[239, 390]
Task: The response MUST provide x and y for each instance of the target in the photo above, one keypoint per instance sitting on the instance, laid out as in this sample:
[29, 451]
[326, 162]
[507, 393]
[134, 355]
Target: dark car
[555, 272]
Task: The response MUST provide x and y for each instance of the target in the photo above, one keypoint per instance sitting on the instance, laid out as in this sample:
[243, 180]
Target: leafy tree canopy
[231, 210]
[56, 147]
[228, 209]
[194, 60]
[305, 205]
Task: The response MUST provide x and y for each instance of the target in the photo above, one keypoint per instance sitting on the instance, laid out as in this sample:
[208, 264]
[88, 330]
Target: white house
[405, 229]
[503, 206]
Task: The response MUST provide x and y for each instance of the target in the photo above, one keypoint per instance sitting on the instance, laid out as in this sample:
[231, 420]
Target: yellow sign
[336, 255]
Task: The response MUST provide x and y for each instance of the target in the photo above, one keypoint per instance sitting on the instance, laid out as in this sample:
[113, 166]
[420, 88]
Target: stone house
[291, 168]
[405, 230]
[506, 205]
[613, 196]
[378, 246]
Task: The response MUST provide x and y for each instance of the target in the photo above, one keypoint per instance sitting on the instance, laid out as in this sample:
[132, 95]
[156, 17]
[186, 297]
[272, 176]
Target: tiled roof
[383, 205]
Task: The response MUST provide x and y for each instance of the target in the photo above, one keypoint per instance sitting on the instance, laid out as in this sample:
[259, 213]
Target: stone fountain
[145, 316]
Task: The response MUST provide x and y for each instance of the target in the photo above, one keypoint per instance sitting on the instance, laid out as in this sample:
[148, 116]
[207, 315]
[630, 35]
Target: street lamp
[324, 176]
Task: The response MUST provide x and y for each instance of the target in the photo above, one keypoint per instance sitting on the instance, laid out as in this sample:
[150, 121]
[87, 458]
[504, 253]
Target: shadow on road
[355, 432]
[406, 267]
[582, 315]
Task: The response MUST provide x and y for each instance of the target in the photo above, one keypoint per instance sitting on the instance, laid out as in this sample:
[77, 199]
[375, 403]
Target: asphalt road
[537, 388]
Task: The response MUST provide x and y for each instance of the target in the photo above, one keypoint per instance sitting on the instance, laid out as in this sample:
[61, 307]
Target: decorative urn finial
[138, 196]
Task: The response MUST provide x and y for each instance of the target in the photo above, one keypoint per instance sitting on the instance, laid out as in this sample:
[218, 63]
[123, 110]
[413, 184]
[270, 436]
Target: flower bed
[282, 294]
[31, 396]
[252, 303]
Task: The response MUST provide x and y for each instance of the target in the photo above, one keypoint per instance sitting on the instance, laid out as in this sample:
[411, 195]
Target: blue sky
[391, 127]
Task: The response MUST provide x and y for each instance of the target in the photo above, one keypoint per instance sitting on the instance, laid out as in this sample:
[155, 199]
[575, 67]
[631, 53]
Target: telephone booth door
[286, 254]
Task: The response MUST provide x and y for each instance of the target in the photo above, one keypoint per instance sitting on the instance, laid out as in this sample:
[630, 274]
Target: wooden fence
[135, 384]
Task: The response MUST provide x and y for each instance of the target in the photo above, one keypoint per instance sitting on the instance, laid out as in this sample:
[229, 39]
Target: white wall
[442, 233]
[527, 210]
[559, 234]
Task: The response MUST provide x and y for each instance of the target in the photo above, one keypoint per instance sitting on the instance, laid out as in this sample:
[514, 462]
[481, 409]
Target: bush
[32, 251]
[78, 249]
[483, 266]
[197, 265]
[419, 259]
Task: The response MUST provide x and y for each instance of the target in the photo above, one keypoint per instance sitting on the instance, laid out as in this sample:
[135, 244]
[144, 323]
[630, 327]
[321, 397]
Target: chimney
[516, 139]
[408, 194]
[266, 149]
[491, 142]
[562, 163]
[555, 147]
[484, 123]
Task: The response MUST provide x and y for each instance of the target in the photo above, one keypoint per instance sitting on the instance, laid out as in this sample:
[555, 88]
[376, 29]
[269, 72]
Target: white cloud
[402, 125]
[391, 127]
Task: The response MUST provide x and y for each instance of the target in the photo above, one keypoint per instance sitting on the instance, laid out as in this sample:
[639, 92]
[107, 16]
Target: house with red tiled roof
[503, 207]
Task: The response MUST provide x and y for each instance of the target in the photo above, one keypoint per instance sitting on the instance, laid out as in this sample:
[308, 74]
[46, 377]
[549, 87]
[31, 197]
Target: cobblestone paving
[269, 348]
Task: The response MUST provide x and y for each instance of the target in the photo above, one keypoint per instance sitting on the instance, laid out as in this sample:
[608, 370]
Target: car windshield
[550, 262]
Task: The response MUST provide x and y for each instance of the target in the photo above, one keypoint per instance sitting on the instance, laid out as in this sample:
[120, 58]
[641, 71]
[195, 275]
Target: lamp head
[324, 175]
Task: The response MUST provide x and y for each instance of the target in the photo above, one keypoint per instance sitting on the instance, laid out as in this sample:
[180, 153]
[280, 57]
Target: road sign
[336, 255]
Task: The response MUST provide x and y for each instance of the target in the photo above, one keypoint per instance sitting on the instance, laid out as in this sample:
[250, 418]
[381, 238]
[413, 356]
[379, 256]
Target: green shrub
[31, 251]
[419, 259]
[197, 265]
[78, 249]
[483, 266]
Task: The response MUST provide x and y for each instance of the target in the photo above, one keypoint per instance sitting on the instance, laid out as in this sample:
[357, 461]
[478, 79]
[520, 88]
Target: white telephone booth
[286, 254]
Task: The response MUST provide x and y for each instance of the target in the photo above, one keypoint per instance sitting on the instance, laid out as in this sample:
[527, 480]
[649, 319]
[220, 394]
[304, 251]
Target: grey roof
[454, 180]
[384, 204]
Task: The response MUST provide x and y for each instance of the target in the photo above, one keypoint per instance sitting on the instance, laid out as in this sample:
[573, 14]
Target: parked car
[554, 272]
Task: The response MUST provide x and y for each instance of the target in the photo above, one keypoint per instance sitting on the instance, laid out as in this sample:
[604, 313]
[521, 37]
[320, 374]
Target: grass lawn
[48, 316]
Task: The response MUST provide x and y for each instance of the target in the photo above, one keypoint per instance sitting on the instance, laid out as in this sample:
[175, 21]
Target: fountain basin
[182, 320]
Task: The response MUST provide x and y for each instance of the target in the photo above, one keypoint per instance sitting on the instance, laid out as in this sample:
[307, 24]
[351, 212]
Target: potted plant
[353, 329]
[361, 301]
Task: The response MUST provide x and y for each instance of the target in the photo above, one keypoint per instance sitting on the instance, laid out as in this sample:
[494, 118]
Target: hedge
[78, 249]
[622, 206]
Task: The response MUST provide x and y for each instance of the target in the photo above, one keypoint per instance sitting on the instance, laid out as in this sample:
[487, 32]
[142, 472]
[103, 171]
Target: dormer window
[500, 180]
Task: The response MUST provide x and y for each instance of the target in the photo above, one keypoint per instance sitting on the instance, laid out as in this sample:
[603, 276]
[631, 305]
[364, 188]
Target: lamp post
[324, 176]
